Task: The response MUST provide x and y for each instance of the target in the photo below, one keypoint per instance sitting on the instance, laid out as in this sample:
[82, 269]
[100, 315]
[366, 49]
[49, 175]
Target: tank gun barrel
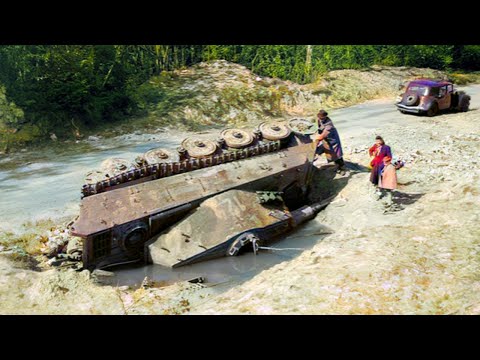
[308, 212]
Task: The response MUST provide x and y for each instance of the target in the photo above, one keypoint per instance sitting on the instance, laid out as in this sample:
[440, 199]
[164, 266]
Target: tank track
[161, 170]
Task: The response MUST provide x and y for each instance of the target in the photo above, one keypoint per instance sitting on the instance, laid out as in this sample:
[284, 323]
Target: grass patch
[464, 78]
[28, 243]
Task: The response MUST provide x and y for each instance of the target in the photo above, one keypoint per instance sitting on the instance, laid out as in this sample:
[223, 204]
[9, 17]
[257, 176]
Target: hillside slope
[223, 94]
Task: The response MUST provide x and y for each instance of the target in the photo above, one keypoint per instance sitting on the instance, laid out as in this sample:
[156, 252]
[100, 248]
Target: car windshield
[420, 90]
[434, 91]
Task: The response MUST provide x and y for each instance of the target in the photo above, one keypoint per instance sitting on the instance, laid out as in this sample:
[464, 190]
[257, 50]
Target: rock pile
[61, 247]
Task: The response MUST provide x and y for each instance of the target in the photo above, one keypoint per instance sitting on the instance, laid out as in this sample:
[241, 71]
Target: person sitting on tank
[329, 141]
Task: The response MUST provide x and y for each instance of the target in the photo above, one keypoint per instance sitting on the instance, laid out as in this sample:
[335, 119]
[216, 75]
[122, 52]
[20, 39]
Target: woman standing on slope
[388, 179]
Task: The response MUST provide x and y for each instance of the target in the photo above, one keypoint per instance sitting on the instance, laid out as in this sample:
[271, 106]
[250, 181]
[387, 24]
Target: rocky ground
[24, 291]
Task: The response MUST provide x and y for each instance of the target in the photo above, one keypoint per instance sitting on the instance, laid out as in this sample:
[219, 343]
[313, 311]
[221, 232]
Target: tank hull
[116, 224]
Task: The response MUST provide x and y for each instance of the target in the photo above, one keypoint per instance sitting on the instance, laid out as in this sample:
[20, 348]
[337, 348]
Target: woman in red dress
[378, 151]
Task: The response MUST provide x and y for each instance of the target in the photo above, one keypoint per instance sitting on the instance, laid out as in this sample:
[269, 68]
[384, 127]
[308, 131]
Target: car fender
[463, 96]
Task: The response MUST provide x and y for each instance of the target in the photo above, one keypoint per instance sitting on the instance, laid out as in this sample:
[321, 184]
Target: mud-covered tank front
[119, 214]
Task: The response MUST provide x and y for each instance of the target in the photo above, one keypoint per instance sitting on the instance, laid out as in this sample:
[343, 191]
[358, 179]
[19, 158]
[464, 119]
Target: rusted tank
[120, 214]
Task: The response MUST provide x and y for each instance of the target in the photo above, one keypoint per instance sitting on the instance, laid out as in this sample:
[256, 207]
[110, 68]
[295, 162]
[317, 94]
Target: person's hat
[322, 112]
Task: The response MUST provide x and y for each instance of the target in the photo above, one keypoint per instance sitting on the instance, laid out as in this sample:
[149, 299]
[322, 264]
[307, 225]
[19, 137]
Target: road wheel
[403, 111]
[134, 242]
[433, 110]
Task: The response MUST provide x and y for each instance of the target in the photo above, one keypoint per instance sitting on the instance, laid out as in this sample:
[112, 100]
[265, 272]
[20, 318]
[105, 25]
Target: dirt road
[376, 114]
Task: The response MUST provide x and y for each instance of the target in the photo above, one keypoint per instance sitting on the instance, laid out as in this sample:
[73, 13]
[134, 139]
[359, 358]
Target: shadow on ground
[408, 183]
[405, 198]
[326, 182]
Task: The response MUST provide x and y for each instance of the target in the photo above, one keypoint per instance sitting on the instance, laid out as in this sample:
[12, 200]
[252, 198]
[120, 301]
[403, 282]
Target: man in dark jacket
[329, 141]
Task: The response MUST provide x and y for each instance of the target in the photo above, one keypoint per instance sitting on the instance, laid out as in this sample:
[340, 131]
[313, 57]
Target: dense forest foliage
[48, 87]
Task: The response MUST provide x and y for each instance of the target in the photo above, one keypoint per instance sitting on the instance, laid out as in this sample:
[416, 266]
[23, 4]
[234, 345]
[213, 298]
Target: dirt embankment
[25, 291]
[220, 94]
[223, 94]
